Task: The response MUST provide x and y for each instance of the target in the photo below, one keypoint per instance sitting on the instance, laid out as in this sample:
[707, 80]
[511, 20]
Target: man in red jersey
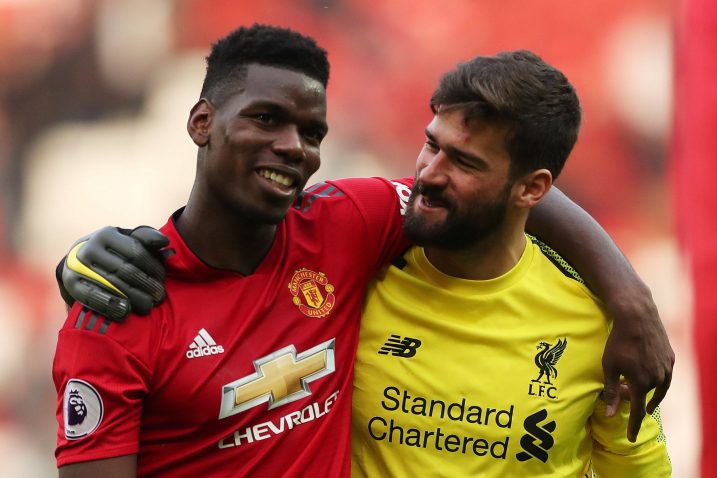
[246, 368]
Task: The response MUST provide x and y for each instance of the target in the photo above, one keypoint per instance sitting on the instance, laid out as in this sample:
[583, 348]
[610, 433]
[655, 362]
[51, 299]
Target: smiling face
[462, 186]
[259, 148]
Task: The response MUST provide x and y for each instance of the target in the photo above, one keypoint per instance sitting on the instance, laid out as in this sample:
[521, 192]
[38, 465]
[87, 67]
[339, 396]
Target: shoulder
[357, 213]
[86, 332]
[560, 264]
[556, 277]
[85, 319]
[358, 192]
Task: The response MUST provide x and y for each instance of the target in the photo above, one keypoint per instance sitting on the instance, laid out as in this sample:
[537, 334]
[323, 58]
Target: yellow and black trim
[555, 258]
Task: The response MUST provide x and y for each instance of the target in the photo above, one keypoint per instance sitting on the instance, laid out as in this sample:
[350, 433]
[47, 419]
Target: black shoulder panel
[556, 259]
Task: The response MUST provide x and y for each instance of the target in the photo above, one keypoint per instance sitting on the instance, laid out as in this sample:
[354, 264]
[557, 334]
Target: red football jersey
[236, 375]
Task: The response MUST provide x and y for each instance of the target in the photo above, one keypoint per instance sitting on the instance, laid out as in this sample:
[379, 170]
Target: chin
[441, 236]
[421, 234]
[271, 218]
[421, 229]
[261, 216]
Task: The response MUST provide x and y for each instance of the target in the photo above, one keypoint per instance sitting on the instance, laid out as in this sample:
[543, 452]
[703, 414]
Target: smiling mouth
[432, 202]
[278, 178]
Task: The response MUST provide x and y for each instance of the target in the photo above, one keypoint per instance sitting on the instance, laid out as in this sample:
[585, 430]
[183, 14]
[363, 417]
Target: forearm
[581, 241]
[117, 467]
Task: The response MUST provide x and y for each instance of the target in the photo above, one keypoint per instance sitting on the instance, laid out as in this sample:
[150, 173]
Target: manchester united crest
[313, 294]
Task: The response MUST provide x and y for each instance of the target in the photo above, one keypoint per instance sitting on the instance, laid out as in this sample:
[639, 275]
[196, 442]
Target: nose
[433, 171]
[288, 144]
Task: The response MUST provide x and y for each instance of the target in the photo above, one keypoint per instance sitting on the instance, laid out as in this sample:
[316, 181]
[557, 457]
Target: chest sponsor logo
[546, 360]
[538, 439]
[405, 347]
[407, 419]
[312, 293]
[82, 409]
[401, 417]
[281, 377]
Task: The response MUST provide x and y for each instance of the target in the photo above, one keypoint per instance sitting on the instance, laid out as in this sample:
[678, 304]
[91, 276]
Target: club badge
[312, 293]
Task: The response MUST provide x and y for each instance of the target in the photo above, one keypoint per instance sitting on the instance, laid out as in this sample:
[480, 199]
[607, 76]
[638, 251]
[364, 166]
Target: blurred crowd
[94, 95]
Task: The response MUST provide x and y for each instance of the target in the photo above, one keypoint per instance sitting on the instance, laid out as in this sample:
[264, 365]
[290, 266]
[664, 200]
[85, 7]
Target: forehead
[450, 129]
[288, 88]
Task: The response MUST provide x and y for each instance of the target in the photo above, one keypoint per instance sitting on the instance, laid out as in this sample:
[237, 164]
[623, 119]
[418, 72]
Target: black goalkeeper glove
[114, 271]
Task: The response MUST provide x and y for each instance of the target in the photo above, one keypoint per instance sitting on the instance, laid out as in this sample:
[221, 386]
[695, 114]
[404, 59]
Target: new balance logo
[203, 345]
[400, 347]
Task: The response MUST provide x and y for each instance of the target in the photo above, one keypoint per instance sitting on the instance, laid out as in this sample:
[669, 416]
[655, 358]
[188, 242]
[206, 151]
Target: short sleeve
[614, 456]
[382, 205]
[100, 385]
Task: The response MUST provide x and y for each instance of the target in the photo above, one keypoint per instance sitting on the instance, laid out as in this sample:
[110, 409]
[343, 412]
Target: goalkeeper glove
[114, 271]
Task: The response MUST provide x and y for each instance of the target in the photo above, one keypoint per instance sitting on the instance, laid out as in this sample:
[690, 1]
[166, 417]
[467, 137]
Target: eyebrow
[457, 152]
[277, 108]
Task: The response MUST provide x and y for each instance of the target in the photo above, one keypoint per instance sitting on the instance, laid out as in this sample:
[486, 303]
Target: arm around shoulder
[638, 347]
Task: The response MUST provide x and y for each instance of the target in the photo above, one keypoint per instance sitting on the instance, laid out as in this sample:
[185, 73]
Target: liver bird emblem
[547, 358]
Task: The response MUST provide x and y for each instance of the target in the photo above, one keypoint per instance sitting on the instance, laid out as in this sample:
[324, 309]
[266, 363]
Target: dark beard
[461, 228]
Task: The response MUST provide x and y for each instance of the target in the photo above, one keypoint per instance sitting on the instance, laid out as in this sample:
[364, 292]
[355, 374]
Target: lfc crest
[546, 360]
[313, 294]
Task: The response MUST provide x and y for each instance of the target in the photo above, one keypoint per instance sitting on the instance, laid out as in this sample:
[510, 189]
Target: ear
[532, 188]
[199, 122]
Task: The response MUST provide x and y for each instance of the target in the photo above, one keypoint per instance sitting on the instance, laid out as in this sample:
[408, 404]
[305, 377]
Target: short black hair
[517, 88]
[265, 45]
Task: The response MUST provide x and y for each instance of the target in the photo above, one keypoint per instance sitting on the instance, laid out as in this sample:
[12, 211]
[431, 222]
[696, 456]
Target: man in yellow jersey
[480, 350]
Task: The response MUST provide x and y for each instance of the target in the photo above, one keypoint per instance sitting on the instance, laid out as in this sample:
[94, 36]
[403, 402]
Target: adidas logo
[203, 345]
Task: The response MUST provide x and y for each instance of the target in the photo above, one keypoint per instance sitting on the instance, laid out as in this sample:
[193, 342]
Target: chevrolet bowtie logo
[281, 377]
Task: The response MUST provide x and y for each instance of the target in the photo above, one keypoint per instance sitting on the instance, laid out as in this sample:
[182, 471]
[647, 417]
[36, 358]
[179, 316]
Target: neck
[224, 239]
[488, 258]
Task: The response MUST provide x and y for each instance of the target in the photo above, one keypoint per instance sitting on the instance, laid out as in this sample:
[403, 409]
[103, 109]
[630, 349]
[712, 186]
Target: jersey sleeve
[616, 457]
[100, 384]
[382, 205]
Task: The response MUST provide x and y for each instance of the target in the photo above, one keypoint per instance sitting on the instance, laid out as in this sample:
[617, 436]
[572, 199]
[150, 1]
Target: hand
[114, 273]
[639, 350]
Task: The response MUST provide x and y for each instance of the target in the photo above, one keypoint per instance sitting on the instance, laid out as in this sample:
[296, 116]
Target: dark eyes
[457, 159]
[315, 136]
[265, 118]
[273, 120]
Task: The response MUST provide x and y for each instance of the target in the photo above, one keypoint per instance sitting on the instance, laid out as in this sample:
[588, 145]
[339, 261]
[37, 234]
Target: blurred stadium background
[94, 95]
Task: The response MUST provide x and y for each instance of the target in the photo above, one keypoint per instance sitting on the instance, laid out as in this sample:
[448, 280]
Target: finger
[138, 301]
[74, 268]
[150, 237]
[660, 392]
[125, 275]
[98, 299]
[610, 393]
[127, 247]
[66, 296]
[141, 302]
[624, 393]
[637, 413]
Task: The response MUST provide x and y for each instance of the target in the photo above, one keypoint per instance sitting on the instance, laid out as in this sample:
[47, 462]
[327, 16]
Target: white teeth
[277, 177]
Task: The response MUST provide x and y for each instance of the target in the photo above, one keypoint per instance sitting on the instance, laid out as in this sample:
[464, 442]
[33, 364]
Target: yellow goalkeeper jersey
[496, 378]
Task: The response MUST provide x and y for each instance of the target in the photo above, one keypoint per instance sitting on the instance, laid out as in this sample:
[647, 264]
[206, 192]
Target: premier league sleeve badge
[82, 409]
